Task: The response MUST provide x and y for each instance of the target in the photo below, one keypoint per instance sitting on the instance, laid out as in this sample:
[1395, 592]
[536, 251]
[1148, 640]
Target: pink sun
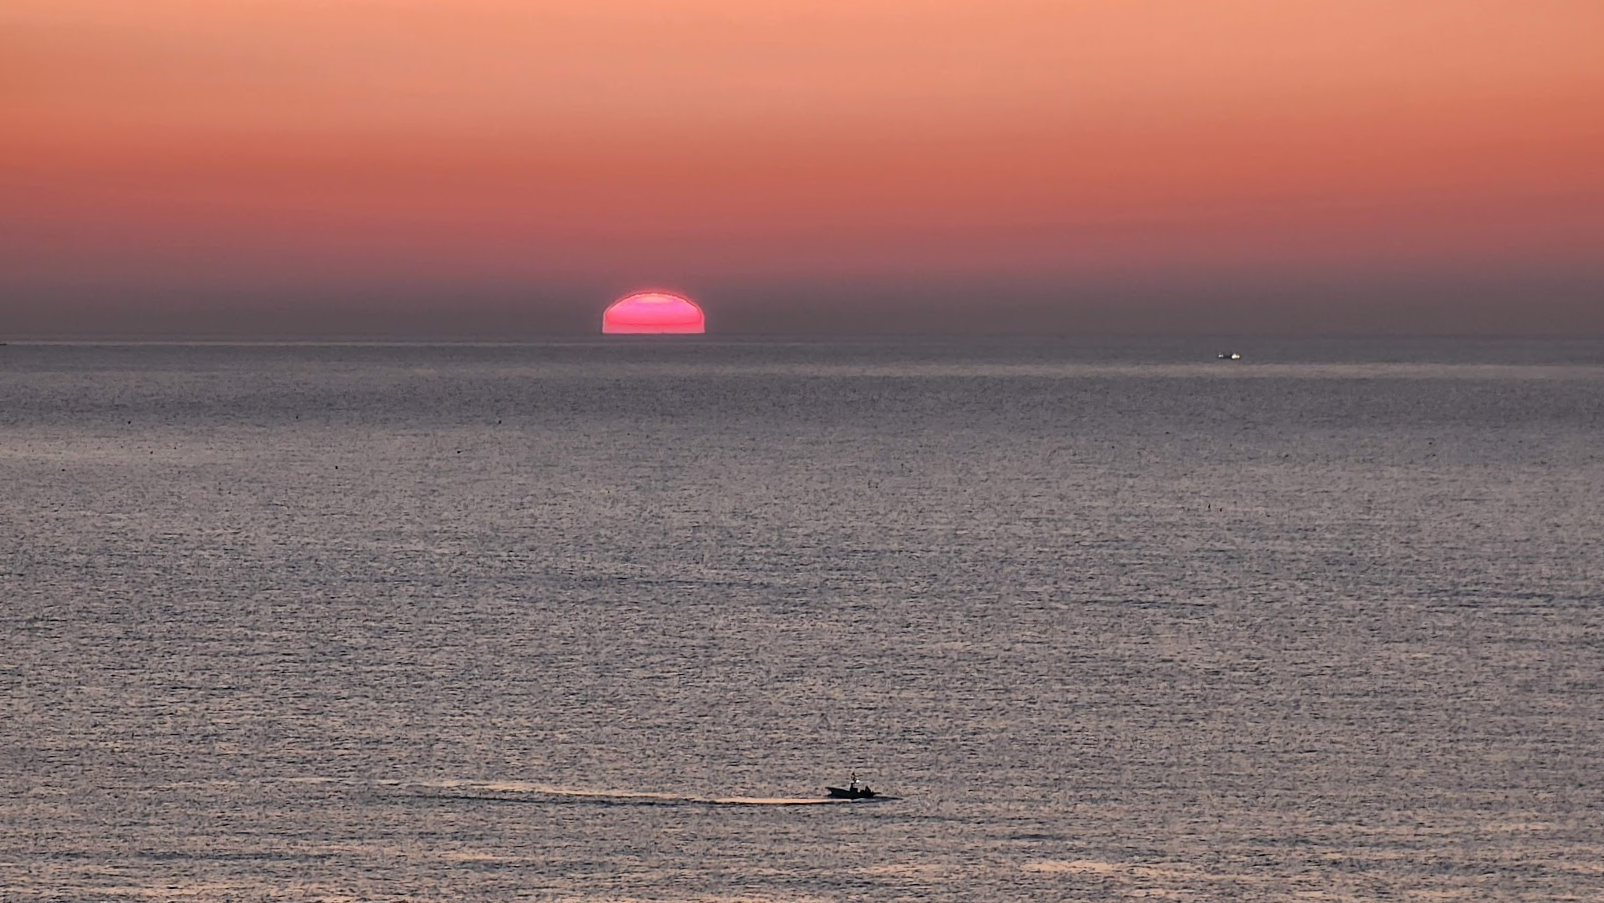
[653, 312]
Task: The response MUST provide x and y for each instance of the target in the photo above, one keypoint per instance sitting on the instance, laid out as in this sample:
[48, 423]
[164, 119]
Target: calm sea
[583, 621]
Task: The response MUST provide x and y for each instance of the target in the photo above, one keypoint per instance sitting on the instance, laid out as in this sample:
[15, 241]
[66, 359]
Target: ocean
[599, 621]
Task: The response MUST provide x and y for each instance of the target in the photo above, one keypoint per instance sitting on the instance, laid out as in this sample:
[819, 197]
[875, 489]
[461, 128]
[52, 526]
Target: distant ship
[1229, 355]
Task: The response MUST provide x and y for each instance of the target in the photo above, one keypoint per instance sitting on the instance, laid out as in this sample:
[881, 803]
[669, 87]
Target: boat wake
[517, 792]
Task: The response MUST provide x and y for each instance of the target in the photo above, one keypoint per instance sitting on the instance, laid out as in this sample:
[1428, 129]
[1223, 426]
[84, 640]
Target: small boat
[1229, 355]
[852, 791]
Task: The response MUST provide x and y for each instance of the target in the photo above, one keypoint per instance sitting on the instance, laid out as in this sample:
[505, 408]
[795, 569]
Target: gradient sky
[490, 167]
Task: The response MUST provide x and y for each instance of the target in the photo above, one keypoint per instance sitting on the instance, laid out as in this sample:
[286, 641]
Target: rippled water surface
[590, 621]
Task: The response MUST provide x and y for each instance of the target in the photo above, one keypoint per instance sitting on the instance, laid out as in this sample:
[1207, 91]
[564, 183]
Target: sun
[653, 312]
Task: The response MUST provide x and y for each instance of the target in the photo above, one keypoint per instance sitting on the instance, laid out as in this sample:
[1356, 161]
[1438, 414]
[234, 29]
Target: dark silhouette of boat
[852, 791]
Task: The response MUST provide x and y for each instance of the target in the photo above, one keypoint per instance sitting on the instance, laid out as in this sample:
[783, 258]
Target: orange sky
[225, 148]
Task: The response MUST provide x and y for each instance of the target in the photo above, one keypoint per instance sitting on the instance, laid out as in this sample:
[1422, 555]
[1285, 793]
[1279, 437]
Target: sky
[502, 169]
